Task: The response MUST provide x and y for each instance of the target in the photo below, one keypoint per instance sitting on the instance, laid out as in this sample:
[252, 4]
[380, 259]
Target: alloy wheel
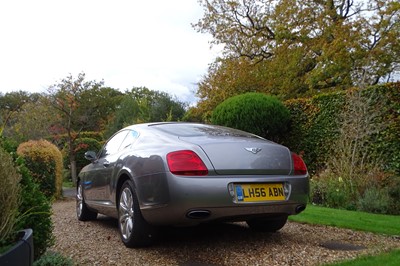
[126, 213]
[79, 201]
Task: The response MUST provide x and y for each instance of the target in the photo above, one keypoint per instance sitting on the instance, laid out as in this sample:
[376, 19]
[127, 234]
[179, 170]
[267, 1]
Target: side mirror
[91, 156]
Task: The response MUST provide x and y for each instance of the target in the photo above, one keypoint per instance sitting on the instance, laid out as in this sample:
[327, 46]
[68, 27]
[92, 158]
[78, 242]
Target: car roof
[146, 125]
[194, 129]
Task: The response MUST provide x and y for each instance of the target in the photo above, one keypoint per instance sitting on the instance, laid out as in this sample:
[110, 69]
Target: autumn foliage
[297, 48]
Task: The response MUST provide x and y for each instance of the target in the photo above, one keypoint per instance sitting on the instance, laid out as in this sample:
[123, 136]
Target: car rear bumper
[194, 200]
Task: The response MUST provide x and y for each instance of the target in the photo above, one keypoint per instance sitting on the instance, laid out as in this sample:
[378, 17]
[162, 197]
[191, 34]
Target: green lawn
[388, 259]
[68, 184]
[361, 221]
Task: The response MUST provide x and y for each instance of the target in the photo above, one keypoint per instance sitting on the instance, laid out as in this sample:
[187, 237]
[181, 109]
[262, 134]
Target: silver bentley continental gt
[184, 174]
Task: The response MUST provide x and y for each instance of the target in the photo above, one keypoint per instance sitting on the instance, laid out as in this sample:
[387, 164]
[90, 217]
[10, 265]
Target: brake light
[299, 166]
[187, 163]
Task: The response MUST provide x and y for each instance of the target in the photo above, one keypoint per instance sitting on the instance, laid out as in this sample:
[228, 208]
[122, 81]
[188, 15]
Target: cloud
[125, 43]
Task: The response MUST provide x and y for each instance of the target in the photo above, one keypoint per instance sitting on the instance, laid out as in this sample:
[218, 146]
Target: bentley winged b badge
[253, 150]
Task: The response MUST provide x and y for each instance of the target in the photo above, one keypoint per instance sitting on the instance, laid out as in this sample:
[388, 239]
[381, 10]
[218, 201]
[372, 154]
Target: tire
[134, 230]
[82, 211]
[270, 224]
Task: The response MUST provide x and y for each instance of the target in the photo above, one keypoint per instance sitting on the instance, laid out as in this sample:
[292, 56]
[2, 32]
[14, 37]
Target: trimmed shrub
[44, 160]
[9, 196]
[257, 113]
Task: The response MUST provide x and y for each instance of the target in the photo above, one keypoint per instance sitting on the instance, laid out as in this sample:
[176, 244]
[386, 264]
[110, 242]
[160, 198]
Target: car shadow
[203, 234]
[210, 244]
[107, 222]
[205, 244]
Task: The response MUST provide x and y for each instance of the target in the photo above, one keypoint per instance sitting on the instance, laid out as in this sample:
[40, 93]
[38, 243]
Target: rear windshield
[198, 130]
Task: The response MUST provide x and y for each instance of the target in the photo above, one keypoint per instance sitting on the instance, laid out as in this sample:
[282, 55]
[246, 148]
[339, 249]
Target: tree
[292, 47]
[157, 106]
[142, 105]
[125, 115]
[99, 105]
[10, 104]
[33, 121]
[75, 109]
[227, 78]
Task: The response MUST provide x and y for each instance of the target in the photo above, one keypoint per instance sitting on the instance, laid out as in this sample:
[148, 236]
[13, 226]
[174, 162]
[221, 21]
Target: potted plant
[20, 252]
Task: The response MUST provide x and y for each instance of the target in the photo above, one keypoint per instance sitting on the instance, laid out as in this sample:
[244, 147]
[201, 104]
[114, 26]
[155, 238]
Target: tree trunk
[72, 161]
[73, 171]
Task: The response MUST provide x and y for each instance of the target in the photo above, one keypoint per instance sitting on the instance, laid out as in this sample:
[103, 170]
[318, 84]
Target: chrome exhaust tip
[198, 214]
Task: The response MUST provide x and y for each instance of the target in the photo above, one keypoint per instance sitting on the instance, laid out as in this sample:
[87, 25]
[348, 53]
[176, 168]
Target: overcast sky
[126, 43]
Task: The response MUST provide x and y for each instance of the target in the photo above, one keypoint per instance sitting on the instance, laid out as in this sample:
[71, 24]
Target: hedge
[314, 125]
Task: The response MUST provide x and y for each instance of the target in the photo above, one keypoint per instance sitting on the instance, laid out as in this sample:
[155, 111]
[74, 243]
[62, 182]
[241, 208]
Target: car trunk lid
[244, 156]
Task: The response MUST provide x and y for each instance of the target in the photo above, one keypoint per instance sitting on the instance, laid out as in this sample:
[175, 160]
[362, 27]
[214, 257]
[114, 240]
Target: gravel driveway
[98, 243]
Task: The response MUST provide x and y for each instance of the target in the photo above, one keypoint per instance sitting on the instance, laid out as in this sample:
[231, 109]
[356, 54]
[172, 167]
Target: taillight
[300, 167]
[187, 163]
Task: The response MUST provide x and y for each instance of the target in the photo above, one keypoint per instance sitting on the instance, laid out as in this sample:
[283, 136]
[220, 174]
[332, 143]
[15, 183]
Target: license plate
[259, 192]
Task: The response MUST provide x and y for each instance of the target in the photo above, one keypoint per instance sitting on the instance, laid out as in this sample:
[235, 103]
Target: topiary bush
[258, 113]
[9, 197]
[44, 160]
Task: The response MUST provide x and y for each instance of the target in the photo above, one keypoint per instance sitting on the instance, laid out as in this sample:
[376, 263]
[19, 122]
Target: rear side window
[129, 139]
[113, 144]
[119, 141]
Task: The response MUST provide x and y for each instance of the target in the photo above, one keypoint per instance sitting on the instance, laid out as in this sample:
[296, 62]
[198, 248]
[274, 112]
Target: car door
[98, 178]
